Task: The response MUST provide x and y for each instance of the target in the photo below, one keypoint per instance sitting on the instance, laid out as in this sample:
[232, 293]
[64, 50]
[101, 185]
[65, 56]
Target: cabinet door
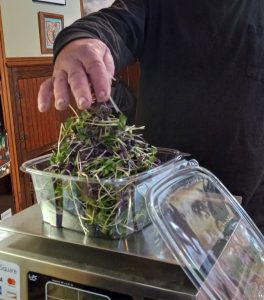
[34, 133]
[39, 131]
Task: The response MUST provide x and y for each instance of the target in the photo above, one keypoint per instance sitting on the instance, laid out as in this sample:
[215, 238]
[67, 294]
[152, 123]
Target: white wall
[20, 24]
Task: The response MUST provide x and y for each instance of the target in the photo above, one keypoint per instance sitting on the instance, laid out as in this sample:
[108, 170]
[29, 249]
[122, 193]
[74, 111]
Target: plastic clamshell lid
[209, 233]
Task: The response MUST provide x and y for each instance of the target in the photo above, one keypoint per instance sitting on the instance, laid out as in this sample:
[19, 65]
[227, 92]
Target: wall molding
[28, 61]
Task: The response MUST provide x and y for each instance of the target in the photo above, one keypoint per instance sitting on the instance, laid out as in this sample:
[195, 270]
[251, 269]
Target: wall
[20, 24]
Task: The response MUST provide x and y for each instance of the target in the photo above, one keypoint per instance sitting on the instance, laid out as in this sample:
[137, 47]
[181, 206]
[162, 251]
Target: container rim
[27, 167]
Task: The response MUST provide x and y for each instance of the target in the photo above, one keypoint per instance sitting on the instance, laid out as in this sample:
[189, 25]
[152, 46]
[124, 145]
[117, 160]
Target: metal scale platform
[38, 261]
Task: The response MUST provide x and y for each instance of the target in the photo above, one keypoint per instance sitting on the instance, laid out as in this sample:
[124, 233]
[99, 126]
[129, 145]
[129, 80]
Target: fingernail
[102, 95]
[60, 103]
[82, 102]
[42, 107]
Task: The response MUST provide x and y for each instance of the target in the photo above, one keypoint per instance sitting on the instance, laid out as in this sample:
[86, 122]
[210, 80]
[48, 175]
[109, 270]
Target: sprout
[98, 145]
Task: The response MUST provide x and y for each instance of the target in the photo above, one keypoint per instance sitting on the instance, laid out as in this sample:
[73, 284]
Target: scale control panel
[42, 287]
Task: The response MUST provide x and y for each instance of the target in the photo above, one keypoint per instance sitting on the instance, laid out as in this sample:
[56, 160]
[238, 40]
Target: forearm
[120, 27]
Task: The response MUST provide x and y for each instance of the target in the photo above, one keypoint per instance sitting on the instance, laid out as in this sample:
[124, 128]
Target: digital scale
[38, 261]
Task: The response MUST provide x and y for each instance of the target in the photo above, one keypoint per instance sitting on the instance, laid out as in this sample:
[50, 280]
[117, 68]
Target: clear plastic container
[75, 203]
[209, 233]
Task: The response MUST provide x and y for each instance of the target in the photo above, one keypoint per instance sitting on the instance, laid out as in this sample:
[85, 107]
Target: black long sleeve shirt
[202, 77]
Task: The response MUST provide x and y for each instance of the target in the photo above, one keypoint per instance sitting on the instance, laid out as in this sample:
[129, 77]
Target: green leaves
[122, 122]
[97, 145]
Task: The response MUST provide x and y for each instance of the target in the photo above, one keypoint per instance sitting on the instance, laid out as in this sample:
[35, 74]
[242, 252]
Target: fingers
[100, 68]
[80, 87]
[45, 94]
[61, 91]
[100, 80]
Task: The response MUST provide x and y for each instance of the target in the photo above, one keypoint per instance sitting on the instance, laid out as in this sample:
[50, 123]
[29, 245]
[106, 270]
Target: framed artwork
[60, 2]
[49, 27]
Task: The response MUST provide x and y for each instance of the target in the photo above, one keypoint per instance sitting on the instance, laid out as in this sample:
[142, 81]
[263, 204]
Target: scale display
[43, 287]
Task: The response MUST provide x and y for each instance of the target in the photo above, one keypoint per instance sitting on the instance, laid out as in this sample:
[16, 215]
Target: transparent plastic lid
[209, 233]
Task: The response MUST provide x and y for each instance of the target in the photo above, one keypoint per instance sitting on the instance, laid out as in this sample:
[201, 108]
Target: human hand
[83, 66]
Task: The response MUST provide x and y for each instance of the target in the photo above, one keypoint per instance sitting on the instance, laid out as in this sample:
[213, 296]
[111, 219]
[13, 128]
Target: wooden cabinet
[6, 195]
[34, 132]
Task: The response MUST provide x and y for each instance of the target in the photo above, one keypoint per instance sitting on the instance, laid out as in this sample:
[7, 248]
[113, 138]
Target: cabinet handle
[22, 137]
[19, 96]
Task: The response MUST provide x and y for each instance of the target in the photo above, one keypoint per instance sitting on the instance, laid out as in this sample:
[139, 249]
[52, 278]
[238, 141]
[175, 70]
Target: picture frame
[82, 8]
[59, 2]
[49, 26]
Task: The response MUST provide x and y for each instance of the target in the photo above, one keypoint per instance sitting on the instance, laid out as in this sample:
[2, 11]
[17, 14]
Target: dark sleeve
[121, 27]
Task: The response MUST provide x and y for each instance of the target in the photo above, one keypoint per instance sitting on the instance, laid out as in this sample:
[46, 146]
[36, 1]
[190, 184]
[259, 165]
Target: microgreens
[97, 145]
